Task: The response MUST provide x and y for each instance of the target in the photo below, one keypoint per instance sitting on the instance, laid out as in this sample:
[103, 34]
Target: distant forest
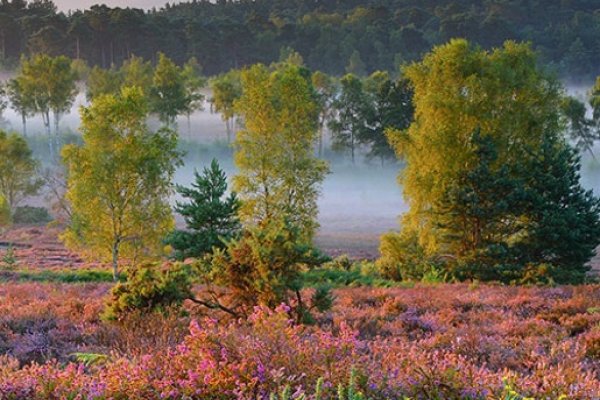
[333, 36]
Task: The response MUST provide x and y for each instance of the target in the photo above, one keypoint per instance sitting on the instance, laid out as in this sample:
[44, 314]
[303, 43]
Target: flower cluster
[442, 341]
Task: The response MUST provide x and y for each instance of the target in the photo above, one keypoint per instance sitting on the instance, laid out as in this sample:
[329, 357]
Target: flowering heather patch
[427, 342]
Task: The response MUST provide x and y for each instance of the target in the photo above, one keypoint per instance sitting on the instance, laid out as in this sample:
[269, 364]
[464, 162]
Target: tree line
[492, 180]
[360, 37]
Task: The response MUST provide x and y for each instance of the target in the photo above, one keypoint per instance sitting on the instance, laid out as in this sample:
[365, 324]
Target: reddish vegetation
[40, 247]
[446, 341]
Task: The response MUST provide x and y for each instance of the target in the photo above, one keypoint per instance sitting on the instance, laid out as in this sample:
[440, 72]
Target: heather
[450, 341]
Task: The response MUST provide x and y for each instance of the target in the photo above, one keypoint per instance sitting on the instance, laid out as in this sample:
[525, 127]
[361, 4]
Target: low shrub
[28, 215]
[148, 288]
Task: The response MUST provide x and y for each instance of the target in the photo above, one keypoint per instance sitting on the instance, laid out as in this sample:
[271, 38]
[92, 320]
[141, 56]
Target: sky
[65, 5]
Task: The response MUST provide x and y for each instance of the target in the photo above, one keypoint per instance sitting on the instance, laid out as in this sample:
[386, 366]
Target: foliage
[31, 215]
[20, 102]
[211, 216]
[262, 267]
[363, 36]
[168, 97]
[17, 170]
[9, 259]
[119, 181]
[226, 90]
[66, 275]
[280, 114]
[149, 287]
[47, 84]
[492, 186]
[5, 213]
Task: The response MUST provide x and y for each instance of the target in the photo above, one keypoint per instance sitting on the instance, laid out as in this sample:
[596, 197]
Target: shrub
[148, 288]
[31, 215]
[263, 267]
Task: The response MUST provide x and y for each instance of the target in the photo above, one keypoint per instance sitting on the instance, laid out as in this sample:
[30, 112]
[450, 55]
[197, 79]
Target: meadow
[439, 341]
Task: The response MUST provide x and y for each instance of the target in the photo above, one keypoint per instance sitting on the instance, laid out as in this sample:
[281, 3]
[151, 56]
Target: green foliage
[3, 100]
[168, 97]
[226, 90]
[31, 215]
[342, 272]
[350, 108]
[363, 37]
[59, 276]
[102, 81]
[119, 181]
[47, 84]
[9, 259]
[20, 102]
[262, 267]
[5, 214]
[89, 359]
[210, 215]
[493, 188]
[149, 288]
[17, 170]
[279, 176]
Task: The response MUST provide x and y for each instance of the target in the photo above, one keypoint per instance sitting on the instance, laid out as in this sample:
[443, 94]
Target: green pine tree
[210, 215]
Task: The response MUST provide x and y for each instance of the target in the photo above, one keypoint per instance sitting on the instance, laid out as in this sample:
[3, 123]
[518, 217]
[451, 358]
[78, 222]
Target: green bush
[342, 272]
[148, 288]
[31, 215]
[263, 267]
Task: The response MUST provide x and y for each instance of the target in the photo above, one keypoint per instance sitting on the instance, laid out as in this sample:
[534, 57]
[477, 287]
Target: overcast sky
[65, 5]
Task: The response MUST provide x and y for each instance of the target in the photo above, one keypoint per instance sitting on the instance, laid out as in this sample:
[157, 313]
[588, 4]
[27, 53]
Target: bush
[402, 258]
[148, 288]
[343, 272]
[31, 215]
[263, 267]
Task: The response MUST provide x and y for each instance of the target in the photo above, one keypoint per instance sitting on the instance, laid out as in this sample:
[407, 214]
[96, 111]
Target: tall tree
[279, 176]
[389, 106]
[119, 180]
[326, 89]
[350, 112]
[480, 199]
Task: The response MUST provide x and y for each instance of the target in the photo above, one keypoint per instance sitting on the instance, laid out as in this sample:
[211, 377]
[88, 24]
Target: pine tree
[210, 214]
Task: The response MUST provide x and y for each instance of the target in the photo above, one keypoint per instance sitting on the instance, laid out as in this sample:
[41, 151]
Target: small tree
[211, 216]
[263, 267]
[17, 170]
[20, 102]
[168, 96]
[48, 84]
[226, 89]
[119, 181]
[193, 83]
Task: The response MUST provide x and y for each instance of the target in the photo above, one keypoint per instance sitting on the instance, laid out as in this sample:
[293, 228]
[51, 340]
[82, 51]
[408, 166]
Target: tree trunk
[24, 119]
[189, 124]
[115, 260]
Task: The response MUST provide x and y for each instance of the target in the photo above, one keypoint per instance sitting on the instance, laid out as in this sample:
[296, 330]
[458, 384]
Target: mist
[358, 202]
